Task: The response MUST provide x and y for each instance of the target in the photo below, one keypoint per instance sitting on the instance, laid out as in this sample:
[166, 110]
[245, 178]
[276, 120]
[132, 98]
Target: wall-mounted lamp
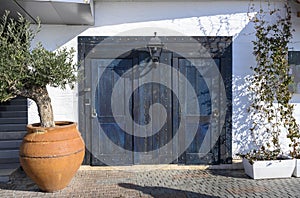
[155, 47]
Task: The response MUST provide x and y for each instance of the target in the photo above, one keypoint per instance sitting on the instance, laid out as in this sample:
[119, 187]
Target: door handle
[94, 113]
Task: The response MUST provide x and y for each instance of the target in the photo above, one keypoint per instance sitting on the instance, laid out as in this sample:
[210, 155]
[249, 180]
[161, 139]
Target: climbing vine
[270, 110]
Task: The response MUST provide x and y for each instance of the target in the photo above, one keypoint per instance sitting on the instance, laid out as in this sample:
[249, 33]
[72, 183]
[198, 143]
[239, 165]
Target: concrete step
[10, 144]
[5, 174]
[12, 127]
[15, 101]
[236, 165]
[4, 179]
[13, 120]
[13, 114]
[12, 135]
[13, 107]
[4, 154]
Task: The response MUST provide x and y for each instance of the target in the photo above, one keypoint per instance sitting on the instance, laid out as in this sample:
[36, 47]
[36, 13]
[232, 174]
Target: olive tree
[26, 70]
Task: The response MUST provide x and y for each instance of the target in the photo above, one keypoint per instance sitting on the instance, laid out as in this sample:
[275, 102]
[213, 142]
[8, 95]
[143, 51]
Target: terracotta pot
[51, 156]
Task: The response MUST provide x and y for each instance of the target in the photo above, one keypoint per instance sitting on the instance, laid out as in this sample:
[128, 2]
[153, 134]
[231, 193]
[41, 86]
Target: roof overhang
[68, 12]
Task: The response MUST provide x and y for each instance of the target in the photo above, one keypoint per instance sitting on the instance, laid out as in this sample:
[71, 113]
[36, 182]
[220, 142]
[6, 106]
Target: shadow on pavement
[160, 192]
[229, 173]
[19, 181]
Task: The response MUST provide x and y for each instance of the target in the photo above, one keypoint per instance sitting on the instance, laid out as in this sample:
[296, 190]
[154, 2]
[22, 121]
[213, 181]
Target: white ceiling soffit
[68, 12]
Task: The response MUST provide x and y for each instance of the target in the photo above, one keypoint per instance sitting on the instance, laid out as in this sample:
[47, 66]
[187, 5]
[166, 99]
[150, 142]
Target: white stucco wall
[204, 18]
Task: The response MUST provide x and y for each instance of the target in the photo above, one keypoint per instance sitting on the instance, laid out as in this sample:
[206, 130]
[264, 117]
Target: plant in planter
[51, 152]
[270, 110]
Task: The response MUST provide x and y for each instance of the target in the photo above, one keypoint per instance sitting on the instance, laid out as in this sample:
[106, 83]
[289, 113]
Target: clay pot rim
[61, 132]
[58, 124]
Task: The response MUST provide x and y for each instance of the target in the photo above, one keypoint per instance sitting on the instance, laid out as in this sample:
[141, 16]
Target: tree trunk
[41, 97]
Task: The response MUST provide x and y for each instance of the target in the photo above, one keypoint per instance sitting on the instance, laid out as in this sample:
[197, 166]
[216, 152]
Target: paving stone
[157, 183]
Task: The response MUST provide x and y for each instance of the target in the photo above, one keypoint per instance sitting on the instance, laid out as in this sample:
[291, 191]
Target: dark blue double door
[129, 92]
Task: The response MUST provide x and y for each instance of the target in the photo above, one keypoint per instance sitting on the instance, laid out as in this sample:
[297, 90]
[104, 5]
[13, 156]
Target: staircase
[13, 120]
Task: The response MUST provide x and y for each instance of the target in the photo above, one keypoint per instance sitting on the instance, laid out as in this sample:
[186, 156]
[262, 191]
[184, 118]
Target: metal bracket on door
[216, 113]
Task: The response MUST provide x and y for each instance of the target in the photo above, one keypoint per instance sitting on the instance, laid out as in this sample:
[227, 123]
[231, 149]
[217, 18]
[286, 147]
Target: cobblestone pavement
[157, 183]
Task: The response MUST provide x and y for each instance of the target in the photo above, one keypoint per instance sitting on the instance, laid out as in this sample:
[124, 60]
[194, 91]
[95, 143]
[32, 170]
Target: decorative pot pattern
[51, 156]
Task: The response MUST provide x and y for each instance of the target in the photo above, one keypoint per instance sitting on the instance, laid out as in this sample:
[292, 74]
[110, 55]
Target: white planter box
[269, 168]
[296, 172]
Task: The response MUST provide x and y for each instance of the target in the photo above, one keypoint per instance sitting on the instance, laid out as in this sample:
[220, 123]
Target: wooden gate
[112, 138]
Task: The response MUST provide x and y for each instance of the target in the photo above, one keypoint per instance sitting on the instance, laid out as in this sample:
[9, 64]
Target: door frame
[219, 47]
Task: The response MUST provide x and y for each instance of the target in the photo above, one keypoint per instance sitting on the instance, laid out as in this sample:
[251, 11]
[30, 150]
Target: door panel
[111, 143]
[198, 73]
[151, 102]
